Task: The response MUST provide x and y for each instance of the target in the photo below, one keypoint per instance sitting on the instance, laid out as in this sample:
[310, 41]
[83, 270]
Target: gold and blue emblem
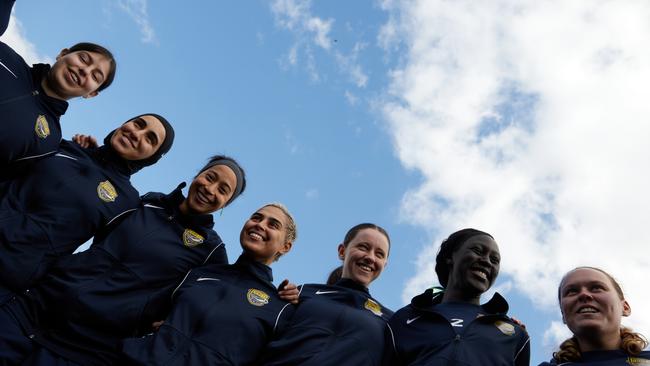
[106, 191]
[638, 361]
[42, 128]
[373, 307]
[191, 238]
[257, 297]
[505, 328]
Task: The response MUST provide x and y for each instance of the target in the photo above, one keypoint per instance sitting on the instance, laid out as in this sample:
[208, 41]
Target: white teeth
[481, 274]
[365, 268]
[587, 310]
[74, 78]
[255, 236]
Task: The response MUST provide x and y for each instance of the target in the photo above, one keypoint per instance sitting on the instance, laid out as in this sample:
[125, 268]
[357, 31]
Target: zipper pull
[35, 93]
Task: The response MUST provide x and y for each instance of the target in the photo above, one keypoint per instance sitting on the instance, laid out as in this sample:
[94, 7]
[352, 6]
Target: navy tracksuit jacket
[606, 358]
[29, 119]
[116, 289]
[58, 206]
[332, 325]
[222, 315]
[424, 337]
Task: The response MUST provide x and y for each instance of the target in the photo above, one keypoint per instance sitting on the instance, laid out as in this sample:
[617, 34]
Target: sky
[525, 119]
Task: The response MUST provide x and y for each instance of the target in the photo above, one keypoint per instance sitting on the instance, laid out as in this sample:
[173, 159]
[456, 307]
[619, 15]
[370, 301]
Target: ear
[286, 247]
[627, 309]
[91, 94]
[63, 52]
[341, 250]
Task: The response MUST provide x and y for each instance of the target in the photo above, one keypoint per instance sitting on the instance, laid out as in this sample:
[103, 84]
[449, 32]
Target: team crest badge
[373, 307]
[257, 297]
[42, 128]
[636, 361]
[191, 238]
[106, 191]
[505, 328]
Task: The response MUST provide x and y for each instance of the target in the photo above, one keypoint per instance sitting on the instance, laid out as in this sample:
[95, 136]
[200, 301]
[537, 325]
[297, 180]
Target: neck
[457, 295]
[184, 208]
[593, 341]
[49, 91]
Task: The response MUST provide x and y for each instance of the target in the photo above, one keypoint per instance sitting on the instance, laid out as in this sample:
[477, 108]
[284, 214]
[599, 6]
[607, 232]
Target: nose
[584, 294]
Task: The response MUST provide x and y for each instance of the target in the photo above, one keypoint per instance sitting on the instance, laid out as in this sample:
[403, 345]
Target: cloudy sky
[527, 119]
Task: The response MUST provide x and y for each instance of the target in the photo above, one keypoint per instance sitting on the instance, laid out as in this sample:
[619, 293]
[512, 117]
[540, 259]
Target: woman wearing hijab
[69, 196]
[224, 314]
[90, 301]
[592, 305]
[448, 324]
[32, 99]
[340, 324]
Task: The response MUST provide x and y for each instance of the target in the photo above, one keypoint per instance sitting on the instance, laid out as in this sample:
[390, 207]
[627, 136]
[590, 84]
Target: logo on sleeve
[42, 128]
[505, 328]
[637, 361]
[373, 307]
[191, 238]
[257, 297]
[106, 191]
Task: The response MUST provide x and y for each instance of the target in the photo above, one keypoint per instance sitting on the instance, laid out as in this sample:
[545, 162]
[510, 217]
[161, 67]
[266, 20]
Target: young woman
[123, 283]
[339, 324]
[32, 99]
[69, 196]
[448, 324]
[224, 314]
[592, 305]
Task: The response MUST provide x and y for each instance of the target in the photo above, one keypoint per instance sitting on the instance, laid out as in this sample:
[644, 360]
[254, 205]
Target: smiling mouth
[587, 310]
[203, 198]
[255, 236]
[365, 268]
[481, 273]
[74, 77]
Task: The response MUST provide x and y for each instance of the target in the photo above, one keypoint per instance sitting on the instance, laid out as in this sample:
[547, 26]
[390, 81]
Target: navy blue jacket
[606, 358]
[116, 289]
[222, 315]
[424, 337]
[58, 206]
[332, 325]
[29, 119]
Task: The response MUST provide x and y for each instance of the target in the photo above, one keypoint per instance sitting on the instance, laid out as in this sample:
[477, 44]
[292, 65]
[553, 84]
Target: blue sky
[522, 119]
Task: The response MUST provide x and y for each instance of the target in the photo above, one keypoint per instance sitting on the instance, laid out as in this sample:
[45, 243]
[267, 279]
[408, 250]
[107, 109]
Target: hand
[157, 325]
[518, 322]
[288, 292]
[85, 140]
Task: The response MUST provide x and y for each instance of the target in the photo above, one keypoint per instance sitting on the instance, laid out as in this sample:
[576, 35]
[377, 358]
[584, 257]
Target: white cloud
[311, 194]
[556, 333]
[529, 120]
[15, 37]
[350, 97]
[137, 10]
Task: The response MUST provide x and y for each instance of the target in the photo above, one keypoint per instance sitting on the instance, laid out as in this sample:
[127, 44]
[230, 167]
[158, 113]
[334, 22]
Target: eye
[495, 259]
[570, 291]
[209, 177]
[381, 255]
[477, 250]
[597, 288]
[84, 58]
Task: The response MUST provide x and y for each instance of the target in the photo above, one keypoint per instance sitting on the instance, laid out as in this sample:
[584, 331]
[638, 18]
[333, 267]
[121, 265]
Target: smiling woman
[592, 305]
[448, 324]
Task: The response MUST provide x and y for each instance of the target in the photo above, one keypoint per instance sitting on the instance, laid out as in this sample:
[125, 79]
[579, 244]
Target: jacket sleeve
[522, 358]
[5, 12]
[389, 357]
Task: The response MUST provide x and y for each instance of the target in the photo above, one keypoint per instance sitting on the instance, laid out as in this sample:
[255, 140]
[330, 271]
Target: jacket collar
[433, 296]
[171, 203]
[257, 269]
[55, 106]
[349, 283]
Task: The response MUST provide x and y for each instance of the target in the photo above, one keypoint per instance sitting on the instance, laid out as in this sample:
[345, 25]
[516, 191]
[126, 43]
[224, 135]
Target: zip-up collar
[257, 269]
[349, 283]
[56, 106]
[171, 203]
[425, 301]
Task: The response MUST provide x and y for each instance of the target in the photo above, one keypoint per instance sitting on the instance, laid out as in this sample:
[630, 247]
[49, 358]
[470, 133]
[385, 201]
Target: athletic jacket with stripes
[424, 337]
[606, 358]
[332, 325]
[58, 206]
[222, 315]
[116, 289]
[29, 119]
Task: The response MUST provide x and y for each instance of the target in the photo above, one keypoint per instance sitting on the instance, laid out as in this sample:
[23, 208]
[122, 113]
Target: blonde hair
[632, 343]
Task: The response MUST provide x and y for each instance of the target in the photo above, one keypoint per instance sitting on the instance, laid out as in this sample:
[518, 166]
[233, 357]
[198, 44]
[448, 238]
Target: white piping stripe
[215, 248]
[392, 337]
[179, 285]
[65, 156]
[113, 219]
[153, 206]
[36, 156]
[277, 319]
[11, 72]
[522, 348]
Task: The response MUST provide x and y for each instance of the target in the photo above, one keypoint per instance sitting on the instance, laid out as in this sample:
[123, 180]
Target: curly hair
[632, 343]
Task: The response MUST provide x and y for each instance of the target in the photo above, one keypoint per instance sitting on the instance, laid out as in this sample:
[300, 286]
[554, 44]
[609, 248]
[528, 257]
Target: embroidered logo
[637, 361]
[505, 328]
[106, 191]
[42, 128]
[257, 297]
[373, 307]
[191, 238]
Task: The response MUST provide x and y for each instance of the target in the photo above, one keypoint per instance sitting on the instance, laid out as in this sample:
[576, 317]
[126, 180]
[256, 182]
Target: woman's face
[590, 303]
[264, 235]
[79, 73]
[210, 190]
[365, 256]
[138, 138]
[474, 266]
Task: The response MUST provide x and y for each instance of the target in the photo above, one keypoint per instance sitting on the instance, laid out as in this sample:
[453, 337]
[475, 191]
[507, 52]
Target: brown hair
[632, 343]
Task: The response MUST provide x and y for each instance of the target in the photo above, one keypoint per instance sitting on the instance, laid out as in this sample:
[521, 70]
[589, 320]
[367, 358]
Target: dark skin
[474, 267]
